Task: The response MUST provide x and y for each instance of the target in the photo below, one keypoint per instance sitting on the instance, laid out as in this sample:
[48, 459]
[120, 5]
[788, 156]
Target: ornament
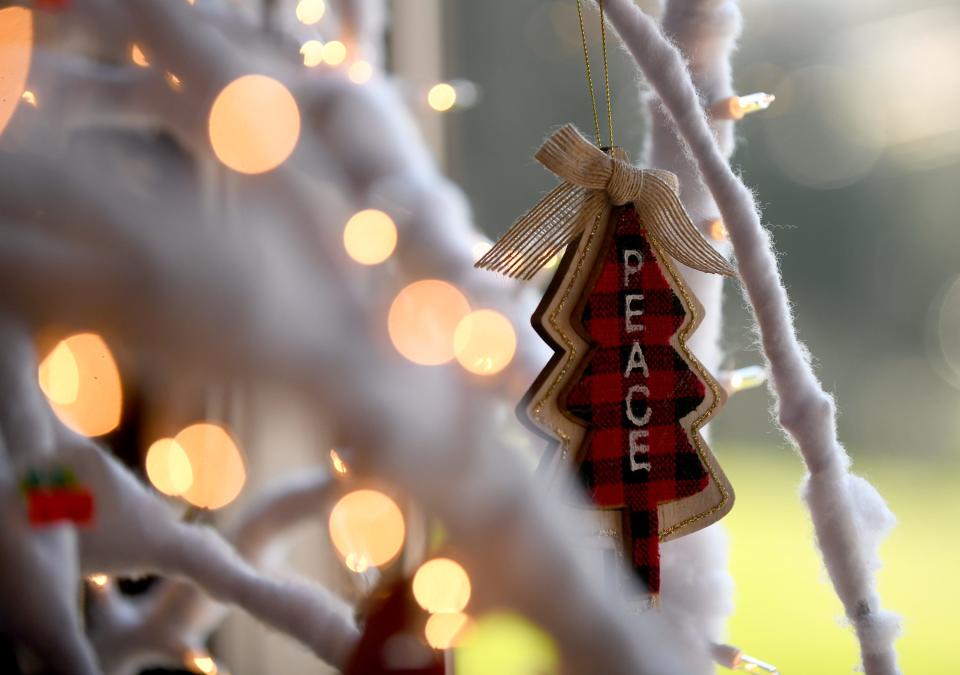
[623, 399]
[56, 497]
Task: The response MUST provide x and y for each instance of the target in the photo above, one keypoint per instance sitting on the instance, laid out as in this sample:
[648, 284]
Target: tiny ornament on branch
[623, 399]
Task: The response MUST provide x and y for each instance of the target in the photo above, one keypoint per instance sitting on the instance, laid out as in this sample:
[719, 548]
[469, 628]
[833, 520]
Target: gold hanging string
[606, 73]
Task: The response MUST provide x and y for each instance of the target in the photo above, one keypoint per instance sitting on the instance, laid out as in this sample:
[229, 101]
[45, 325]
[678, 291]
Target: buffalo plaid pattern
[599, 396]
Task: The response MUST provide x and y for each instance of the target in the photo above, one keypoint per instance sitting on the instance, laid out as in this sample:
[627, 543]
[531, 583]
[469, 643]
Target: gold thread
[606, 71]
[586, 61]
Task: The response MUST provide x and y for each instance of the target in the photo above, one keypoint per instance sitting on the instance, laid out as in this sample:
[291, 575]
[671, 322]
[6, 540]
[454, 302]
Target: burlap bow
[593, 180]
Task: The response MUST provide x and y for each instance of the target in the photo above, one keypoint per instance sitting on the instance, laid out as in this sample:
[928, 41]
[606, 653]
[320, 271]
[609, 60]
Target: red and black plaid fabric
[599, 396]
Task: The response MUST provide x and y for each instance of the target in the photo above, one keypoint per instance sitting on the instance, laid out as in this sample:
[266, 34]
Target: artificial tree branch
[849, 517]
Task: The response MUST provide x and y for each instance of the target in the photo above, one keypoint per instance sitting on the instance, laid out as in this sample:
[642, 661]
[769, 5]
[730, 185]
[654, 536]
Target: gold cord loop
[606, 73]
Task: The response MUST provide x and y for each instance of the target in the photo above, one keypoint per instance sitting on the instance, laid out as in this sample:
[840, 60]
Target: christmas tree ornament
[623, 400]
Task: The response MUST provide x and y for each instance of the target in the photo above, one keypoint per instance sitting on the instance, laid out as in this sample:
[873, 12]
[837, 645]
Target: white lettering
[636, 361]
[637, 448]
[639, 421]
[630, 313]
[630, 269]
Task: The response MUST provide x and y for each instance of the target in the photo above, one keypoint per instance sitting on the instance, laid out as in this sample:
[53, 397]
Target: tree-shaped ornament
[623, 399]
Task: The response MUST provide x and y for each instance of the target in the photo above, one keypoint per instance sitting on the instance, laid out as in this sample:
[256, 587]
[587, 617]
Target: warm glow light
[367, 528]
[254, 124]
[168, 467]
[370, 237]
[744, 378]
[441, 585]
[216, 464]
[359, 72]
[484, 342]
[717, 230]
[310, 12]
[138, 57]
[99, 580]
[16, 47]
[506, 644]
[422, 321]
[442, 630]
[29, 97]
[442, 97]
[312, 51]
[334, 52]
[737, 107]
[173, 81]
[81, 380]
[200, 662]
[338, 464]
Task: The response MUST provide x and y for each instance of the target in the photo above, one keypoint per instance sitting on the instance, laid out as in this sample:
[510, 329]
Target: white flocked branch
[849, 516]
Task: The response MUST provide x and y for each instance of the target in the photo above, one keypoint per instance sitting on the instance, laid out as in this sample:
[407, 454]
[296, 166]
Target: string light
[312, 51]
[254, 124]
[29, 97]
[138, 57]
[743, 378]
[367, 529]
[360, 72]
[443, 630]
[442, 97]
[484, 342]
[334, 52]
[310, 12]
[338, 464]
[99, 581]
[216, 465]
[717, 230]
[370, 237]
[733, 658]
[168, 467]
[738, 107]
[16, 27]
[200, 662]
[80, 379]
[441, 586]
[423, 319]
[173, 81]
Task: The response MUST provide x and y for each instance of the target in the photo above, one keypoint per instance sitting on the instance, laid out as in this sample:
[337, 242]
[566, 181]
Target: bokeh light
[484, 342]
[367, 529]
[99, 580]
[168, 467]
[254, 124]
[312, 51]
[310, 12]
[370, 236]
[423, 319]
[717, 230]
[360, 72]
[29, 97]
[200, 662]
[16, 48]
[138, 57]
[338, 464]
[173, 81]
[443, 630]
[441, 585]
[81, 381]
[506, 644]
[334, 52]
[442, 97]
[216, 464]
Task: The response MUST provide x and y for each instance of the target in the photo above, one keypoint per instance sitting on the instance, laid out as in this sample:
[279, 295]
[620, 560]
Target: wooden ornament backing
[557, 321]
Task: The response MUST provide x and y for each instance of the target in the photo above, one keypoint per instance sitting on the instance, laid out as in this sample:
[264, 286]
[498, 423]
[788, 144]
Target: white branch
[848, 515]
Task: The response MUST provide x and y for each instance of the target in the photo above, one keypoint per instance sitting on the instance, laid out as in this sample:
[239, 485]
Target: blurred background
[857, 166]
